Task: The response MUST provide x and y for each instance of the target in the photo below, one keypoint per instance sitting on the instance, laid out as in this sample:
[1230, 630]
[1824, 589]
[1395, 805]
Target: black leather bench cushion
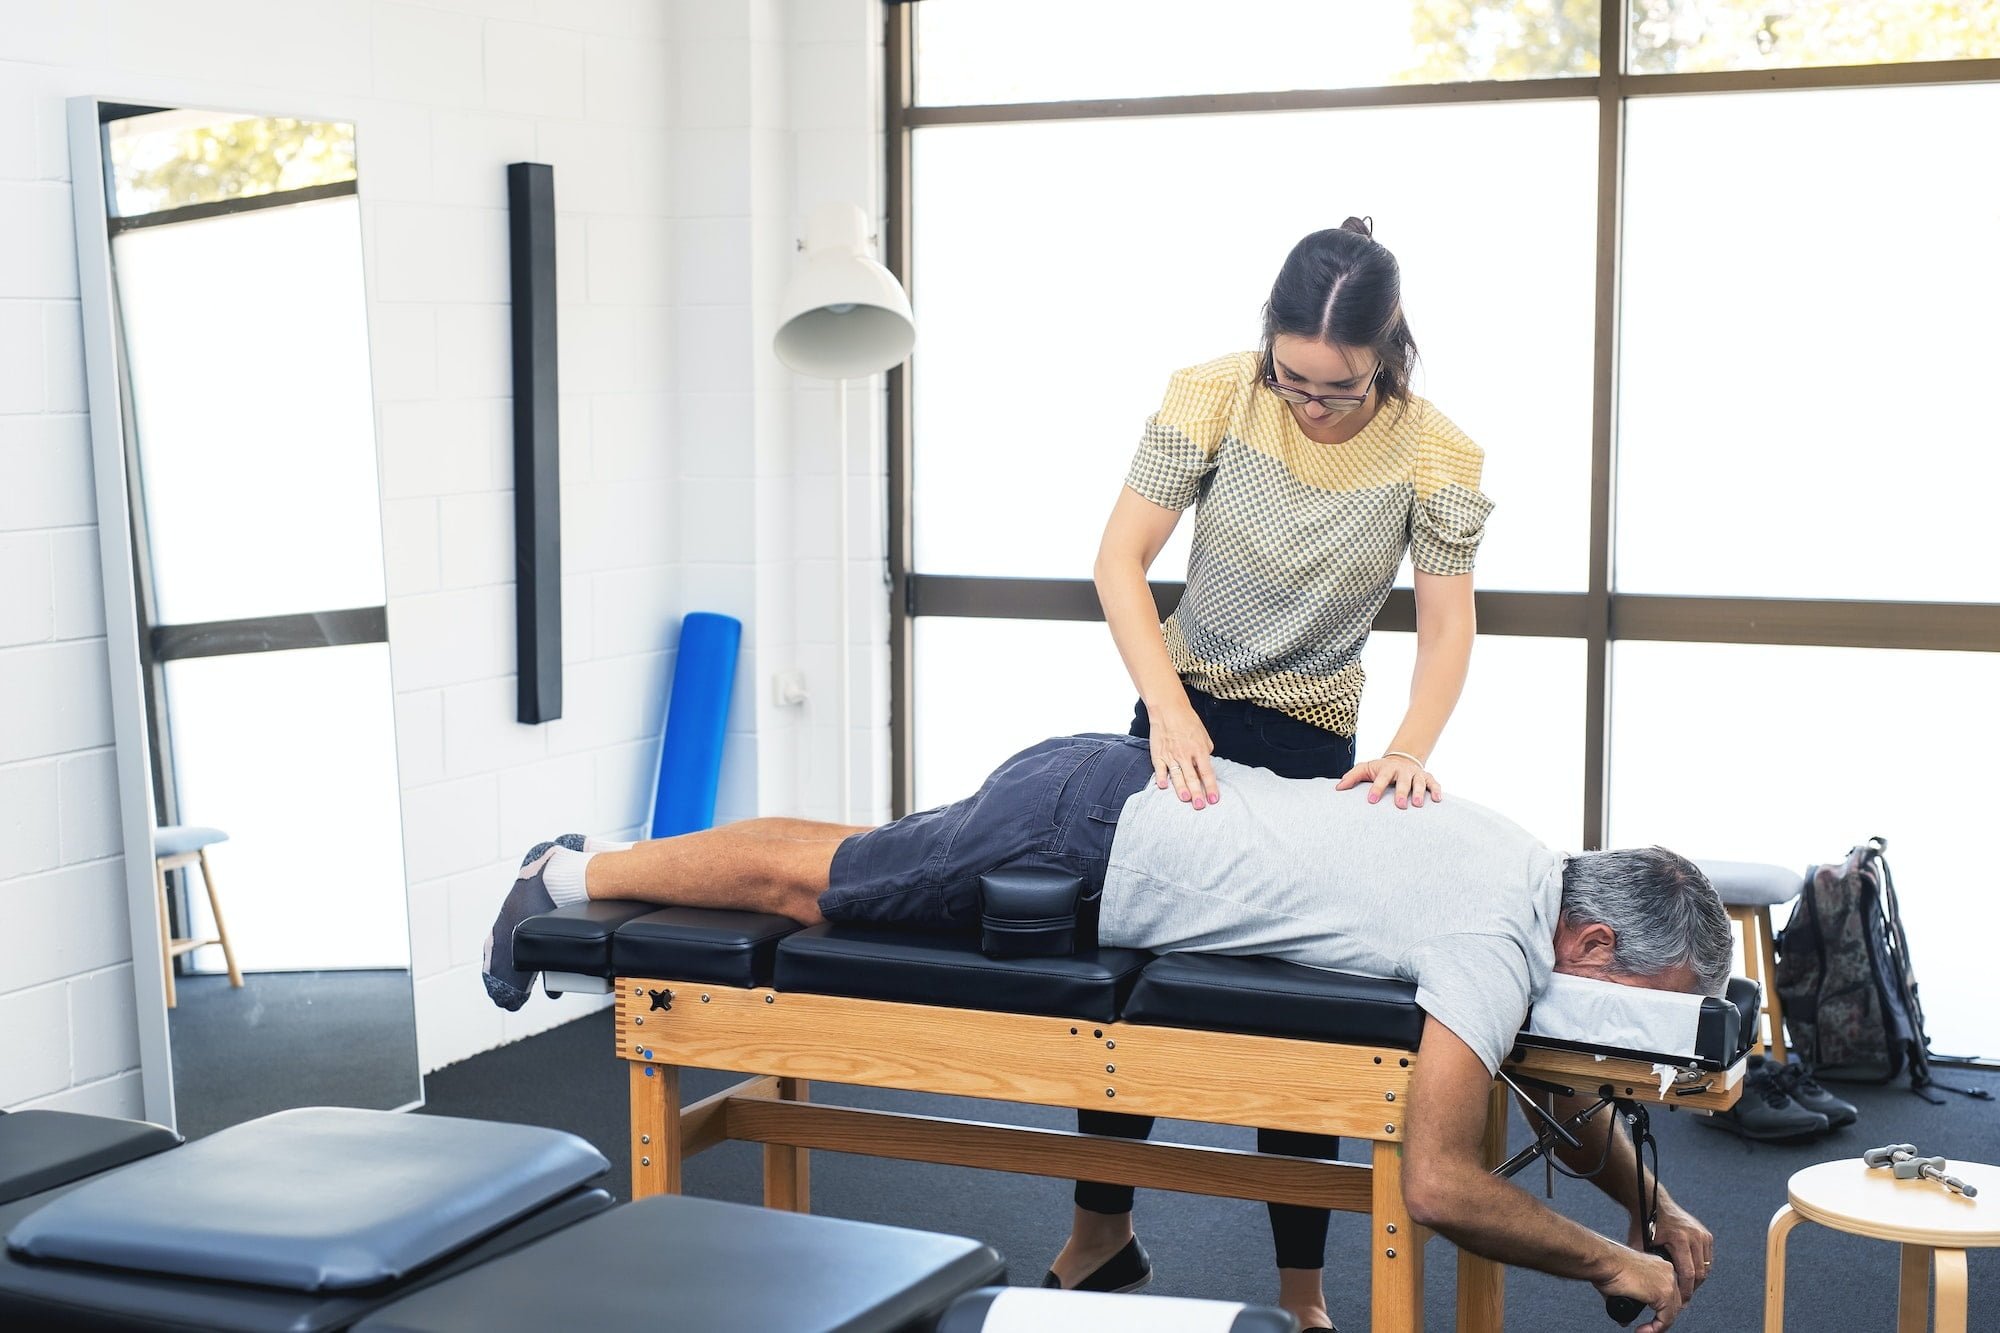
[700, 1266]
[45, 1295]
[40, 1150]
[573, 939]
[914, 967]
[700, 944]
[1273, 998]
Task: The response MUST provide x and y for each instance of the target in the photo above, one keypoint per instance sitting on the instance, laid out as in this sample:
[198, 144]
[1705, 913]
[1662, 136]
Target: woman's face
[1313, 367]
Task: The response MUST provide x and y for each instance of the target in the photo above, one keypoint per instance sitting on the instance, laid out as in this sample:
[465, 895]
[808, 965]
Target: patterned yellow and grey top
[1296, 544]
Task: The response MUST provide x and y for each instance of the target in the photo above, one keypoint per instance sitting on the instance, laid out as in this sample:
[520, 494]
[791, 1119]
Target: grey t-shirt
[1452, 896]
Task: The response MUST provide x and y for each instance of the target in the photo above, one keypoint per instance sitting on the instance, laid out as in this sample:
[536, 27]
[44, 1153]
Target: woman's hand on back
[1182, 754]
[1410, 780]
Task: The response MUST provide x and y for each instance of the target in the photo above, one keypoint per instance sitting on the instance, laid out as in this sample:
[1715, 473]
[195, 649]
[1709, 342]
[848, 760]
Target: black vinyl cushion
[914, 967]
[1274, 998]
[43, 1295]
[701, 1266]
[1747, 997]
[40, 1150]
[700, 944]
[1028, 911]
[573, 939]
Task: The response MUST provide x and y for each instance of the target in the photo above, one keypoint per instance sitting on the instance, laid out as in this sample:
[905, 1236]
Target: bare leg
[760, 865]
[1302, 1293]
[1093, 1239]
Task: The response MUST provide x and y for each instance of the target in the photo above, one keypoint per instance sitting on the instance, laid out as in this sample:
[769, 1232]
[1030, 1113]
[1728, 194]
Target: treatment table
[1229, 1040]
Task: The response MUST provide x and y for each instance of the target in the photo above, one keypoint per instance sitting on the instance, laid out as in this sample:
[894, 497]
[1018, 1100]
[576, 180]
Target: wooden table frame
[786, 1040]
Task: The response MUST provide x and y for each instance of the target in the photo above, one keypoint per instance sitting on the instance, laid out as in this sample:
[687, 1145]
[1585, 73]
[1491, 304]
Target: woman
[1312, 467]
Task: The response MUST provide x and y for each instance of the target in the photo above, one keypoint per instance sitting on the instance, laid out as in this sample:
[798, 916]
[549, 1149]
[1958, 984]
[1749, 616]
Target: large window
[1715, 299]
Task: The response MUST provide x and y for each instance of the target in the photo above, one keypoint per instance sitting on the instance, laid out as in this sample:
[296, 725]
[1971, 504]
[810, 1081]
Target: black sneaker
[1766, 1112]
[573, 841]
[1127, 1270]
[1797, 1081]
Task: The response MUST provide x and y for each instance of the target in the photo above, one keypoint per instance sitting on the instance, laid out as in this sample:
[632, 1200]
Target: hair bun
[1360, 226]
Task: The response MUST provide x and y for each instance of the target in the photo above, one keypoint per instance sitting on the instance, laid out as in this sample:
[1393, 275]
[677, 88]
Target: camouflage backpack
[1845, 978]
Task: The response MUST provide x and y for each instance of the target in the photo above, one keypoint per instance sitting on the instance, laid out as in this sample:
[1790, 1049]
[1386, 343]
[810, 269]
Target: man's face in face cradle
[1587, 951]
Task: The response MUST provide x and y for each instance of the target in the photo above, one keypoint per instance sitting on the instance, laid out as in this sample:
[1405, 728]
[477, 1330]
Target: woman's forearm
[1445, 631]
[1134, 619]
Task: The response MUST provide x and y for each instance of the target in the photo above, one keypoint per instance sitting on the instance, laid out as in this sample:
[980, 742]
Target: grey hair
[1661, 908]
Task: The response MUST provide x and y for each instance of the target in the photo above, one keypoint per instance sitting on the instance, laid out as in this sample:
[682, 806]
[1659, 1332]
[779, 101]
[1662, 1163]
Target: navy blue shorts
[1053, 805]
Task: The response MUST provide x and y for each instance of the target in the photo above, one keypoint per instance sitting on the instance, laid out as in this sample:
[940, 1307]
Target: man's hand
[1683, 1236]
[1648, 1279]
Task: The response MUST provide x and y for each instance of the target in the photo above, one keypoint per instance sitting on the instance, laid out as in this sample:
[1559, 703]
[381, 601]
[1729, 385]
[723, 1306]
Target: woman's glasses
[1332, 402]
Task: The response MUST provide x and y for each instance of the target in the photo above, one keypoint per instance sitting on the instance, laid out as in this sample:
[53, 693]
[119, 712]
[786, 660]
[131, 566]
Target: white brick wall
[688, 138]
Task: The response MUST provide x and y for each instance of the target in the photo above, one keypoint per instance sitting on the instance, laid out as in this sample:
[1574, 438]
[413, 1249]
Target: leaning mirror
[232, 423]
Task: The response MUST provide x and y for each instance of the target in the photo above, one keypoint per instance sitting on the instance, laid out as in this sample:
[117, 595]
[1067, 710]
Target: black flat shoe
[1127, 1270]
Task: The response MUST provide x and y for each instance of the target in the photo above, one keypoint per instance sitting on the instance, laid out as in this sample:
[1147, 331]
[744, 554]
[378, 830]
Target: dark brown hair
[1343, 286]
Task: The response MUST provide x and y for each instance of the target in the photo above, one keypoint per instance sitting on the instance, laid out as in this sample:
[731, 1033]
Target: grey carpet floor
[290, 1039]
[1219, 1248]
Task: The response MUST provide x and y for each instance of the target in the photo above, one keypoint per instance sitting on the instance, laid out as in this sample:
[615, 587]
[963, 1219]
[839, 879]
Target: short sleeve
[1181, 440]
[1449, 519]
[1475, 984]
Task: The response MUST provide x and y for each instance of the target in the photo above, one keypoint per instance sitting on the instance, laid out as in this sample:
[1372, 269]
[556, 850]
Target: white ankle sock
[563, 876]
[607, 845]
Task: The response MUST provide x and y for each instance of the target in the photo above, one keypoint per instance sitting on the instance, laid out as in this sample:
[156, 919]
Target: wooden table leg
[1913, 1293]
[1398, 1248]
[785, 1168]
[1782, 1223]
[1482, 1283]
[1949, 1266]
[656, 1129]
[166, 931]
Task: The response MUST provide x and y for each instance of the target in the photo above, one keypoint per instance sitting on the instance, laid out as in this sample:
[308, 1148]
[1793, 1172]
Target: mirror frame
[89, 175]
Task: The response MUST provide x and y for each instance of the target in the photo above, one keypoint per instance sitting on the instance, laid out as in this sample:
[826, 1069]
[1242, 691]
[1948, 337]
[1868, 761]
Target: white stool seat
[1751, 884]
[180, 839]
[179, 847]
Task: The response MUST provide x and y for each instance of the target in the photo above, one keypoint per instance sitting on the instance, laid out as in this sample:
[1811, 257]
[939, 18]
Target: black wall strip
[531, 203]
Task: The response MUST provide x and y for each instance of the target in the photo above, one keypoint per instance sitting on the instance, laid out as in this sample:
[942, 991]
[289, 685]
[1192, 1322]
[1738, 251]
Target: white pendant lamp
[843, 315]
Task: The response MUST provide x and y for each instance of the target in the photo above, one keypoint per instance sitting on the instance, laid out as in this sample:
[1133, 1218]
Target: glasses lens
[1287, 392]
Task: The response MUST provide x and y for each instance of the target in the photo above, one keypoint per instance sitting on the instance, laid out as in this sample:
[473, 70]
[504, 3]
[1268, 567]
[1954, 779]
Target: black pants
[1247, 734]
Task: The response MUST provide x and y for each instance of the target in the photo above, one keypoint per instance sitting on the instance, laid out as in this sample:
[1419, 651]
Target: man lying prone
[1455, 898]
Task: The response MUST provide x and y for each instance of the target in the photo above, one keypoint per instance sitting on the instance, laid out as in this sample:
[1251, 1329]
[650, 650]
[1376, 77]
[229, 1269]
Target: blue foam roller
[697, 714]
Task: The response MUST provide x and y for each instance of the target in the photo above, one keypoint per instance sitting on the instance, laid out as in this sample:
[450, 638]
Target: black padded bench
[337, 1219]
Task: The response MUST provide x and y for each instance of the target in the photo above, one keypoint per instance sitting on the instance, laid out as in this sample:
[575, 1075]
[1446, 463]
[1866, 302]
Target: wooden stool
[174, 847]
[1934, 1226]
[1749, 892]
